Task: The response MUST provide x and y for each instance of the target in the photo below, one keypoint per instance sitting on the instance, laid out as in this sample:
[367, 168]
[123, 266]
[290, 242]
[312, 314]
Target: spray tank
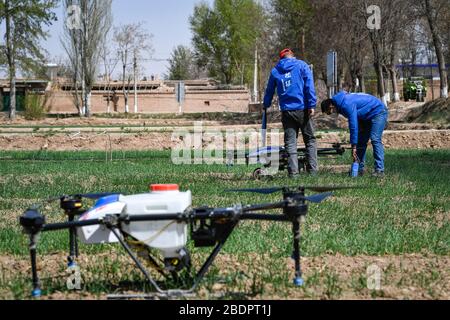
[168, 237]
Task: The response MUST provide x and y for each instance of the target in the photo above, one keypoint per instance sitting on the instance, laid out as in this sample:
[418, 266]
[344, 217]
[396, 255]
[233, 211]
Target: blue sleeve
[352, 115]
[309, 90]
[270, 91]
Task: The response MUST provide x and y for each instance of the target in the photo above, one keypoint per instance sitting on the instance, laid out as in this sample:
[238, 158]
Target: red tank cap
[164, 187]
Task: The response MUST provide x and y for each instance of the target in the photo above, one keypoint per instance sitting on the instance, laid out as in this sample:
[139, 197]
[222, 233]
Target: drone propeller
[268, 191]
[96, 196]
[319, 198]
[92, 196]
[260, 191]
[331, 188]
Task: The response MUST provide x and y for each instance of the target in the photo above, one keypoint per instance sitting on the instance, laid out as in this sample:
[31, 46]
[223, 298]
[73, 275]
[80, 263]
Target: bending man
[367, 117]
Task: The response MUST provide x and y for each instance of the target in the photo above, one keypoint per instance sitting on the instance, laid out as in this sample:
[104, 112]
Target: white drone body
[169, 237]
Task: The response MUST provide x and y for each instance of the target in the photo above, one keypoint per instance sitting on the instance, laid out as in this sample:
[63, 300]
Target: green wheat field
[400, 223]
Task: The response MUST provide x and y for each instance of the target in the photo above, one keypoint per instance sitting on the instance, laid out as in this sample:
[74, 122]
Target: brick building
[153, 96]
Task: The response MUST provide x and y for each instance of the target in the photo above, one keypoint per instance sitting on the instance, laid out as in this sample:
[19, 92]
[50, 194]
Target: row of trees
[226, 38]
[90, 41]
[24, 23]
[91, 44]
[377, 33]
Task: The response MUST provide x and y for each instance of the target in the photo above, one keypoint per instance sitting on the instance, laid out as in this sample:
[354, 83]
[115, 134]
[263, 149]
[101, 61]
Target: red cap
[285, 52]
[164, 187]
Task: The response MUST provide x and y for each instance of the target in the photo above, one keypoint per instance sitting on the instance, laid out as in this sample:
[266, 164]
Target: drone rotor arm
[268, 206]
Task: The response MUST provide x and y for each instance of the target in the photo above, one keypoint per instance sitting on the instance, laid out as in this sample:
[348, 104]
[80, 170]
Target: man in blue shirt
[294, 83]
[367, 117]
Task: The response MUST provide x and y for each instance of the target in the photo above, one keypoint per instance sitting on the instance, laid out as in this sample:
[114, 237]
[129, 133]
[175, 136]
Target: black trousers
[293, 123]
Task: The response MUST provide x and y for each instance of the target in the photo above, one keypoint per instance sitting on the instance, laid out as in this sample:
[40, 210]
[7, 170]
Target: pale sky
[167, 20]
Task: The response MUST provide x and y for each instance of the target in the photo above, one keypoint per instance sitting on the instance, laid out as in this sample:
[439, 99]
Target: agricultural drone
[276, 157]
[153, 229]
[267, 155]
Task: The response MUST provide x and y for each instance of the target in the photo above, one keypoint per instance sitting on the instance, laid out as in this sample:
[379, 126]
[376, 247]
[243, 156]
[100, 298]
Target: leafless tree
[346, 26]
[110, 61]
[352, 43]
[133, 44]
[402, 18]
[392, 15]
[88, 24]
[71, 42]
[433, 11]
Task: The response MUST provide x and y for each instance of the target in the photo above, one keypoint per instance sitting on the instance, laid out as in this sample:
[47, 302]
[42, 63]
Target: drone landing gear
[223, 235]
[72, 207]
[36, 293]
[73, 240]
[33, 222]
[298, 280]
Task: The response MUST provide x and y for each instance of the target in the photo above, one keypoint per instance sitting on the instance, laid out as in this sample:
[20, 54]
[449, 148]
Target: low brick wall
[196, 102]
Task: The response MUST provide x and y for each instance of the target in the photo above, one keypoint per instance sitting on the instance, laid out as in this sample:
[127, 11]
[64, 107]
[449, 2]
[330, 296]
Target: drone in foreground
[153, 229]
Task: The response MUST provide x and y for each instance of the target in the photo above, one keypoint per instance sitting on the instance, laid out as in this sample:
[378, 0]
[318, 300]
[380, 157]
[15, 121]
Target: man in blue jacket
[367, 117]
[294, 83]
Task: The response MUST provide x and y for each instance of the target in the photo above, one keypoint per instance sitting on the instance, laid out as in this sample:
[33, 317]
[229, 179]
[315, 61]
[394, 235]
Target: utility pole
[135, 84]
[255, 78]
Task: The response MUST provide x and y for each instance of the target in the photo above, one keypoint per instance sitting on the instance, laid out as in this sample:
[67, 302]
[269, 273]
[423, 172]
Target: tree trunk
[125, 95]
[392, 70]
[374, 36]
[12, 98]
[380, 81]
[78, 105]
[88, 102]
[108, 99]
[83, 96]
[341, 80]
[362, 84]
[393, 73]
[11, 61]
[438, 47]
[303, 44]
[135, 85]
[387, 80]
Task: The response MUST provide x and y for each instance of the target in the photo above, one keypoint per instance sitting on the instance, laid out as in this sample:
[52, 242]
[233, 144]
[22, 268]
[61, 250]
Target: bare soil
[433, 112]
[413, 126]
[418, 276]
[410, 139]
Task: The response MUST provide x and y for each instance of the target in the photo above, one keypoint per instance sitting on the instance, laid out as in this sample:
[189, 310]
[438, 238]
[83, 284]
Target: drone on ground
[267, 155]
[153, 229]
[276, 158]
